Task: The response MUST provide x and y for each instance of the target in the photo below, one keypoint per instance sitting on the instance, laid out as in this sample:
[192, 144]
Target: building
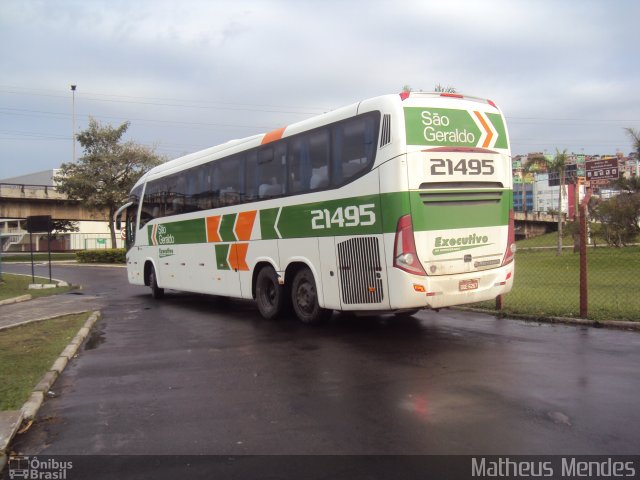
[517, 196]
[14, 237]
[546, 197]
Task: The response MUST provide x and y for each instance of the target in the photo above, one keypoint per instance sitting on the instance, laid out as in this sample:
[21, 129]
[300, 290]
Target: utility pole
[73, 131]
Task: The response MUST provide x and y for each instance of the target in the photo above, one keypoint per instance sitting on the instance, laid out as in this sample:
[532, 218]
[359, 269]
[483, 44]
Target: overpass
[21, 201]
[532, 224]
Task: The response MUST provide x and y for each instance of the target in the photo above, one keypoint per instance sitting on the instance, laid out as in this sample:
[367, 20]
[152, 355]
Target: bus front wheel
[156, 291]
[304, 296]
[269, 293]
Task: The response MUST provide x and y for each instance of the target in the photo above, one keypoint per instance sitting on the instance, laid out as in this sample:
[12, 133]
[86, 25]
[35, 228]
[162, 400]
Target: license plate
[466, 285]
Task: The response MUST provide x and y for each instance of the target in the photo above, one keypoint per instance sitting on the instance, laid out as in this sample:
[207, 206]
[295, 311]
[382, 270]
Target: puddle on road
[95, 339]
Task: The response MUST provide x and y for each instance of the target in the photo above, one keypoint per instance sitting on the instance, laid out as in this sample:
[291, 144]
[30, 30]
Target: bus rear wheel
[269, 293]
[304, 297]
[156, 291]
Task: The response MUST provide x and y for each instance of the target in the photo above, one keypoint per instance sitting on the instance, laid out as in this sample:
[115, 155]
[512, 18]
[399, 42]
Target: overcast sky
[191, 74]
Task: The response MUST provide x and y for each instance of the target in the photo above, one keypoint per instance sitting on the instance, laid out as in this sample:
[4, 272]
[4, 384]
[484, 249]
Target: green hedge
[111, 255]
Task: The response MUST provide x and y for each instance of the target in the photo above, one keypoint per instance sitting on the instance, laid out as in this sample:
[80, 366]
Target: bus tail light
[511, 241]
[502, 284]
[405, 256]
[451, 95]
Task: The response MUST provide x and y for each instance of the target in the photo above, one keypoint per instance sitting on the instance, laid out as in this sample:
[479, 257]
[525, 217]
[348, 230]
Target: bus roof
[236, 146]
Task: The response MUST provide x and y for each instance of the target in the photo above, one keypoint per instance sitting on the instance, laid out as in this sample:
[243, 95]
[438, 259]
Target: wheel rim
[306, 297]
[269, 293]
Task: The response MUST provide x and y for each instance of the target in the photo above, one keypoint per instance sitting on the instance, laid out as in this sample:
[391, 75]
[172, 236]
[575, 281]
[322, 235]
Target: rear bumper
[414, 291]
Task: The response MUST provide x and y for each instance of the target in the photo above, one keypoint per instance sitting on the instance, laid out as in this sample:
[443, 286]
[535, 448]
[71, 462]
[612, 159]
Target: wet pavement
[202, 375]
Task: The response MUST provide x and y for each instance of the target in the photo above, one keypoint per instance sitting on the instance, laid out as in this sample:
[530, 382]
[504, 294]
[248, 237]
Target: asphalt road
[198, 375]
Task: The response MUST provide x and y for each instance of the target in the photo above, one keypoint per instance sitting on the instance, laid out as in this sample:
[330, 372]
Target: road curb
[30, 408]
[21, 298]
[27, 297]
[612, 324]
[42, 319]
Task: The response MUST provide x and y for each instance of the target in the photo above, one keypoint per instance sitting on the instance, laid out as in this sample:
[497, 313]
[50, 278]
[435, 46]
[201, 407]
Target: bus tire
[269, 293]
[304, 297]
[156, 291]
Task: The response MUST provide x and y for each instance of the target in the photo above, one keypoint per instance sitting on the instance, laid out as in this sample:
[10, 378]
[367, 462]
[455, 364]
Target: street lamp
[73, 131]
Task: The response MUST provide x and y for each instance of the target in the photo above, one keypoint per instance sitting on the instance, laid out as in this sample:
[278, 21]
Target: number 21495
[440, 166]
[351, 216]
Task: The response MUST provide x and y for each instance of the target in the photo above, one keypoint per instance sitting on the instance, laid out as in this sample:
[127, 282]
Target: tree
[437, 88]
[441, 89]
[103, 176]
[635, 138]
[535, 163]
[58, 227]
[558, 165]
[618, 217]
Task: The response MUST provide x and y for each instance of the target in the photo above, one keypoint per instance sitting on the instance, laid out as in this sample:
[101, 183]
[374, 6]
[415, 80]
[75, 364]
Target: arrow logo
[489, 135]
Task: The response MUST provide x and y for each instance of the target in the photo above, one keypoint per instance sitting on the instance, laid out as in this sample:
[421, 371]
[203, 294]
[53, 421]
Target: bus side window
[319, 144]
[151, 204]
[251, 181]
[271, 170]
[354, 144]
[170, 199]
[230, 177]
[192, 189]
[299, 165]
[213, 191]
[308, 161]
[179, 198]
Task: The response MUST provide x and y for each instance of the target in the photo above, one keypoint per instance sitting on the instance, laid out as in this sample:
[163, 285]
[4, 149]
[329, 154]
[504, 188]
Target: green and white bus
[390, 205]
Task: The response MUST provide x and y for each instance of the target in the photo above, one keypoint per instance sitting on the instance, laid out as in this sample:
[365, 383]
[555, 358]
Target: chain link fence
[547, 284]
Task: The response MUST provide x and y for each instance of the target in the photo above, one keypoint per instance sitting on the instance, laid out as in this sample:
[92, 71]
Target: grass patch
[37, 257]
[27, 353]
[16, 285]
[549, 285]
[546, 240]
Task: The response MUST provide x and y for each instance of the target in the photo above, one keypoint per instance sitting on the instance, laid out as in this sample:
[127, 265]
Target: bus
[389, 205]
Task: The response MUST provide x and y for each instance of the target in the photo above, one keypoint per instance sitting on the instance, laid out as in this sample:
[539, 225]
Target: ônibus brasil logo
[21, 466]
[456, 244]
[159, 236]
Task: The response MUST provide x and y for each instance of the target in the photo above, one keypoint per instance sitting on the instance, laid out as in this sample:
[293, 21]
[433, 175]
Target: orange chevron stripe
[238, 257]
[487, 141]
[244, 225]
[212, 228]
[273, 135]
